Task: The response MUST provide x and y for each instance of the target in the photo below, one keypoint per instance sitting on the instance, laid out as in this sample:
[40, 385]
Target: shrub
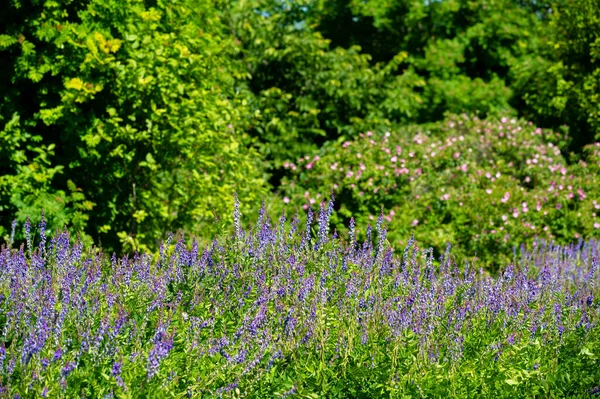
[484, 185]
[559, 83]
[122, 119]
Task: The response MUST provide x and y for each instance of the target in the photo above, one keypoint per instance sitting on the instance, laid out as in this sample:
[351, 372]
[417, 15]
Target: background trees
[129, 119]
[123, 119]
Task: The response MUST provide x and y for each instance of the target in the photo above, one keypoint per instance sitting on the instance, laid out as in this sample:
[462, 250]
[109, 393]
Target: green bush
[124, 119]
[560, 84]
[322, 69]
[483, 185]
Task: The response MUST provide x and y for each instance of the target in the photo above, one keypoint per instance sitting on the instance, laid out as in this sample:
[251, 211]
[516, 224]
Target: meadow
[299, 199]
[290, 309]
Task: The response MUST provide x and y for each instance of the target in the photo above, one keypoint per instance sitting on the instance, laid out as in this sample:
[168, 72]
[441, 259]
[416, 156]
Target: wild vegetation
[127, 125]
[277, 311]
[125, 120]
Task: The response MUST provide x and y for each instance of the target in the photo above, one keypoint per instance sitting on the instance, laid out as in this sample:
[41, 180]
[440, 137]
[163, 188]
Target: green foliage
[560, 84]
[321, 69]
[462, 49]
[306, 93]
[122, 118]
[483, 186]
[276, 312]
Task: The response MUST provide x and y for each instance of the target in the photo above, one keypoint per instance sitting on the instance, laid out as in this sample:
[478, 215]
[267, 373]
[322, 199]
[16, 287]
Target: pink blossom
[597, 225]
[415, 222]
[445, 197]
[505, 198]
[350, 174]
[563, 171]
[286, 200]
[488, 191]
[309, 165]
[456, 155]
[398, 150]
[394, 158]
[504, 217]
[346, 144]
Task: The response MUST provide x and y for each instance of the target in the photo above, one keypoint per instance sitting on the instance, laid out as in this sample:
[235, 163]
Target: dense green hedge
[121, 119]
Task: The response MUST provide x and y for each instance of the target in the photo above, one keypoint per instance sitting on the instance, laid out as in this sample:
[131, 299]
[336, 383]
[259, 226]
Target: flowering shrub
[276, 311]
[484, 185]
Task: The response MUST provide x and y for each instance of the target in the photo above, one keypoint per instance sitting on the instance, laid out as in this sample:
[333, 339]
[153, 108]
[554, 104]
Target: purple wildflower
[159, 351]
[116, 372]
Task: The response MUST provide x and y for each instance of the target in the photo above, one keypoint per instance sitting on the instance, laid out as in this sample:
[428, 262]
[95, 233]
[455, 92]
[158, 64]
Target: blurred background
[470, 122]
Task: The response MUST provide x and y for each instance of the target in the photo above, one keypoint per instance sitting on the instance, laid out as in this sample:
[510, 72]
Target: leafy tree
[305, 92]
[330, 68]
[122, 118]
[561, 84]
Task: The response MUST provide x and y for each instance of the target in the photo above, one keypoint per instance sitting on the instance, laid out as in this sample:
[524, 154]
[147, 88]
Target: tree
[127, 114]
[561, 85]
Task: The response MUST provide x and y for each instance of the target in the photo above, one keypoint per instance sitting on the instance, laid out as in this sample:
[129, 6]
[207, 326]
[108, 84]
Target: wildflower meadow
[299, 199]
[291, 309]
